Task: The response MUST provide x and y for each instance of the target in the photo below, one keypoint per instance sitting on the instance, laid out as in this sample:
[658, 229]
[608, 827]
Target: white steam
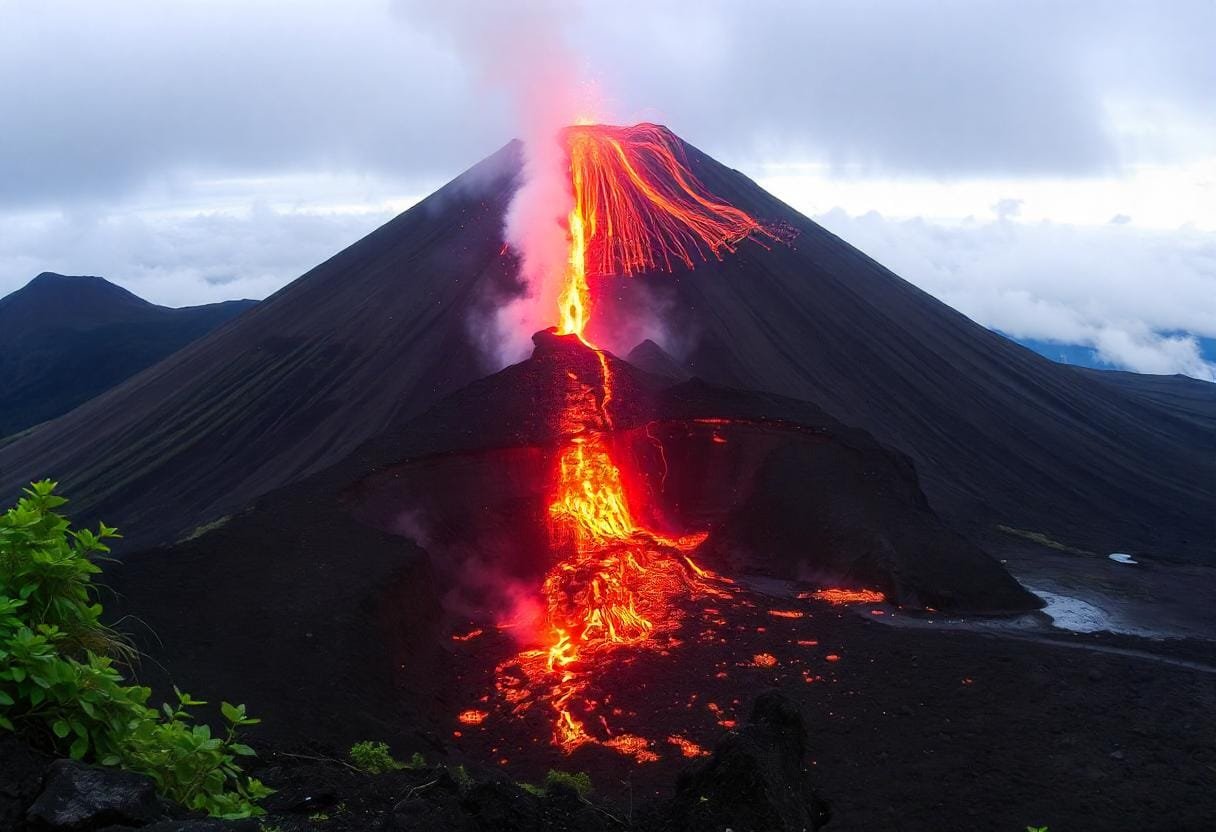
[520, 55]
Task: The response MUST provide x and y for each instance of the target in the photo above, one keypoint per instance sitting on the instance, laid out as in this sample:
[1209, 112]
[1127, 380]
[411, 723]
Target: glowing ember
[637, 207]
[687, 747]
[469, 636]
[764, 660]
[786, 613]
[846, 596]
[472, 717]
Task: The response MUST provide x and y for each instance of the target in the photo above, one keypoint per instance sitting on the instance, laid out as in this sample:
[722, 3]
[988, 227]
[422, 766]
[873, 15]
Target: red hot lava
[637, 207]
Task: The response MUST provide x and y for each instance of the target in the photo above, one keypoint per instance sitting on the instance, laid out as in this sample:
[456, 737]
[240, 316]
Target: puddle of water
[1075, 615]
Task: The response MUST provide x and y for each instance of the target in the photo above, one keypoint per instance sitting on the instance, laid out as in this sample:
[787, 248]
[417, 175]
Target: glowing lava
[637, 207]
[846, 596]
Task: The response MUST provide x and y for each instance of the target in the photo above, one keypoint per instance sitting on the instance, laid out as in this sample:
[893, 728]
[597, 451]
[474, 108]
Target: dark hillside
[63, 340]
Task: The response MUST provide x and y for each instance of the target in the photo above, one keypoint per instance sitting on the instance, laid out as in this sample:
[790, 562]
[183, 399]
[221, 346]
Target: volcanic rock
[756, 780]
[783, 488]
[79, 797]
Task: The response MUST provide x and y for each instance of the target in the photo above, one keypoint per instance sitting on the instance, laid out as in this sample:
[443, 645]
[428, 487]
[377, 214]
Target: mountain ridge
[66, 339]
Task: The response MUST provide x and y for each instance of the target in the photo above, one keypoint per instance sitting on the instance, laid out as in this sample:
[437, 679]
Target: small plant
[374, 758]
[417, 761]
[59, 684]
[461, 776]
[580, 782]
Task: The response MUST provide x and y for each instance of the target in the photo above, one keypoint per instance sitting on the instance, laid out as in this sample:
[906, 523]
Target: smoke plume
[521, 57]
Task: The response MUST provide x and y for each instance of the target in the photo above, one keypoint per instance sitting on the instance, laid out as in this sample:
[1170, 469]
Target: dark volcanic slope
[63, 340]
[375, 333]
[999, 434]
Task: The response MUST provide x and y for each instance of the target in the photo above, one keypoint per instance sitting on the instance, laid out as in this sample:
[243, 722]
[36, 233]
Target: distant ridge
[65, 339]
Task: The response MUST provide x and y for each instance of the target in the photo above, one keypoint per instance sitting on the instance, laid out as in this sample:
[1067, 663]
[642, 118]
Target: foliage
[580, 782]
[373, 757]
[59, 682]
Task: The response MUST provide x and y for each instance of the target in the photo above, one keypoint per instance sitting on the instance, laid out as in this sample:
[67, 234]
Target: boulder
[80, 797]
[755, 781]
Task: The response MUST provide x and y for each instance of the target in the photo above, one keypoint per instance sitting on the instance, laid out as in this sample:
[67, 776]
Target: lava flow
[636, 207]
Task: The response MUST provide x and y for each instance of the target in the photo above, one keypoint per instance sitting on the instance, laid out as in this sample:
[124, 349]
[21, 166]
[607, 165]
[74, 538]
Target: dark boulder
[755, 781]
[22, 769]
[82, 797]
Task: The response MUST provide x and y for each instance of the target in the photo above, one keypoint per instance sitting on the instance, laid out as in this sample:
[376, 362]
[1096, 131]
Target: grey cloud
[99, 100]
[183, 260]
[1126, 292]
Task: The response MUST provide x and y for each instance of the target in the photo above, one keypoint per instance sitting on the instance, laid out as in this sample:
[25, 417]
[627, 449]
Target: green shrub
[580, 782]
[373, 757]
[59, 684]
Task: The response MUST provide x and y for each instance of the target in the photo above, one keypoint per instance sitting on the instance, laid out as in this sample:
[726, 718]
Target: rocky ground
[756, 779]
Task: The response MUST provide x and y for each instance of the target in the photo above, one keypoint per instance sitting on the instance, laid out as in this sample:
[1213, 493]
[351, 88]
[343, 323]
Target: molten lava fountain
[637, 207]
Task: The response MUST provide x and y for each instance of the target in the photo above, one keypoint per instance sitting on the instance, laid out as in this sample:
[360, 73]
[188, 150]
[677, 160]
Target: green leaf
[5, 699]
[61, 729]
[79, 748]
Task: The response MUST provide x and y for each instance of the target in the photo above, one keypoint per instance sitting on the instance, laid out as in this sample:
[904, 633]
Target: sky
[1047, 168]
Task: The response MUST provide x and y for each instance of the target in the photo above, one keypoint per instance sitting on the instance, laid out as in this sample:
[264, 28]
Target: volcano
[384, 329]
[596, 560]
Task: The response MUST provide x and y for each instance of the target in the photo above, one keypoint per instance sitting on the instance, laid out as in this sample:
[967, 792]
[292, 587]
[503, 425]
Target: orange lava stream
[639, 207]
[846, 596]
[636, 207]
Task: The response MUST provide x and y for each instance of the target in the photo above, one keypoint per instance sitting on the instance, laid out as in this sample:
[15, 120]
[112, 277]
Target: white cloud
[1127, 292]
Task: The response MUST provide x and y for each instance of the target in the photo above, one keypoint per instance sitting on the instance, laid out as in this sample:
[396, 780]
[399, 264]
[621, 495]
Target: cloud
[101, 100]
[181, 260]
[1125, 291]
